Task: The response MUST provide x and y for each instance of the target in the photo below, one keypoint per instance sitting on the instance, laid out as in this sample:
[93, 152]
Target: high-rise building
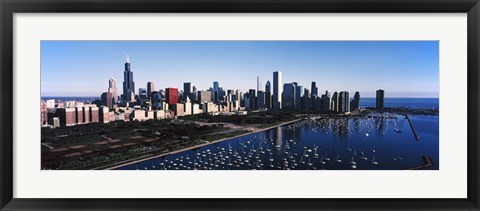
[335, 102]
[67, 116]
[306, 101]
[380, 99]
[156, 100]
[112, 88]
[247, 101]
[128, 84]
[268, 95]
[277, 90]
[344, 102]
[355, 102]
[288, 96]
[216, 92]
[298, 97]
[328, 96]
[261, 99]
[187, 90]
[215, 86]
[171, 95]
[306, 92]
[150, 89]
[204, 96]
[253, 99]
[325, 99]
[107, 99]
[259, 84]
[314, 89]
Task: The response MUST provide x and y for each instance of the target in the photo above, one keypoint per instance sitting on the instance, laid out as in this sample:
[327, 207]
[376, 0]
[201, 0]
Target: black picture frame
[10, 7]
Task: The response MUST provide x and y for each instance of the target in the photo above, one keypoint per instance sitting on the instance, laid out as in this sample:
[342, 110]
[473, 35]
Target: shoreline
[198, 146]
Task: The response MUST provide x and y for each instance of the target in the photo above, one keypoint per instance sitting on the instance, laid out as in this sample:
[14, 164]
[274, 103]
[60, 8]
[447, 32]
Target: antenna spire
[127, 58]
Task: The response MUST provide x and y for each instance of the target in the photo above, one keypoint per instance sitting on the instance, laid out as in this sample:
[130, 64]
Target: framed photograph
[257, 105]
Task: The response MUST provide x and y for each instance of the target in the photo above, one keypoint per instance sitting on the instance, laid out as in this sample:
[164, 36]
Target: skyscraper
[325, 100]
[259, 84]
[356, 101]
[288, 96]
[314, 89]
[335, 102]
[150, 89]
[380, 99]
[344, 102]
[260, 99]
[298, 97]
[128, 84]
[277, 90]
[253, 99]
[112, 88]
[268, 95]
[107, 99]
[171, 95]
[215, 86]
[216, 92]
[187, 90]
[156, 100]
[306, 92]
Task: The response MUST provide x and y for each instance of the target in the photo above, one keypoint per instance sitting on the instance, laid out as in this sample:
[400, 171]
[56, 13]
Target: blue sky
[401, 68]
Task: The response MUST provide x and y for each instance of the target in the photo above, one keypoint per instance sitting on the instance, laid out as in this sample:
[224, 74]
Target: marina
[315, 143]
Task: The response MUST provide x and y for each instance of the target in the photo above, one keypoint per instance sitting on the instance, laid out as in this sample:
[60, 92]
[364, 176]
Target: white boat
[373, 161]
[353, 162]
[338, 159]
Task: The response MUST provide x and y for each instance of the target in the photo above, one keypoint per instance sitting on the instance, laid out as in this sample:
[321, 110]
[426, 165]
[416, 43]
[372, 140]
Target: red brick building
[94, 114]
[171, 95]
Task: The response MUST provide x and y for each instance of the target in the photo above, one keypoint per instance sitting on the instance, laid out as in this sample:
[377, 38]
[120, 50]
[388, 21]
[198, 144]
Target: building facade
[380, 100]
[277, 90]
[171, 95]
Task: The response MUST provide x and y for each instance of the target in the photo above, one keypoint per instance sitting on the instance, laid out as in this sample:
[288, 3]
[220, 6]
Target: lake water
[402, 102]
[325, 143]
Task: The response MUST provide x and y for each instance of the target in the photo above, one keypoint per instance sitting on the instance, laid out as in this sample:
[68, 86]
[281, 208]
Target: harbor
[320, 143]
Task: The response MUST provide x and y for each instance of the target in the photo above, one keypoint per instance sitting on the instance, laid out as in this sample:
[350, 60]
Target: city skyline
[202, 62]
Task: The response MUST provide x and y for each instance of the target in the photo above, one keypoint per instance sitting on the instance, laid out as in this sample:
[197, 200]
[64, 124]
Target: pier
[427, 163]
[413, 128]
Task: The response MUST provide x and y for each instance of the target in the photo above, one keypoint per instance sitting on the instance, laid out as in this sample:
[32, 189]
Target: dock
[413, 128]
[427, 163]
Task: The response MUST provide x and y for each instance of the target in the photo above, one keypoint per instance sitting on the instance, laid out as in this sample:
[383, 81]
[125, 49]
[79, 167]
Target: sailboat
[326, 157]
[353, 162]
[373, 161]
[338, 159]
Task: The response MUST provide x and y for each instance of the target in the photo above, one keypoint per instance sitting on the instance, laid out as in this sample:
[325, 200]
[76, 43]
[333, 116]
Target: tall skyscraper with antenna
[128, 84]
